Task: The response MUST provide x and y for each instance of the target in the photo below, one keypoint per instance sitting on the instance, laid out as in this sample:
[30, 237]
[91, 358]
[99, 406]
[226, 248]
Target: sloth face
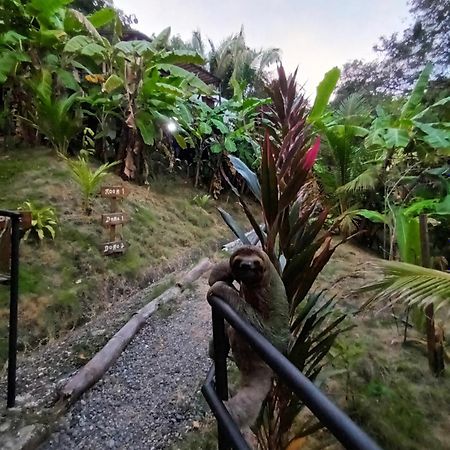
[248, 268]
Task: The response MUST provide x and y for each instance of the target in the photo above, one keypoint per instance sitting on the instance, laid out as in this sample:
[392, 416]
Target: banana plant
[410, 129]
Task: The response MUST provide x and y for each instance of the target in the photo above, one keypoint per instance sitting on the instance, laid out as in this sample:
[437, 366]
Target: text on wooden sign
[114, 219]
[114, 191]
[113, 247]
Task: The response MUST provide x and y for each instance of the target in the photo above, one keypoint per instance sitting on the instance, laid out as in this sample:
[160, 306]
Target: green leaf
[434, 137]
[191, 78]
[373, 216]
[102, 17]
[181, 141]
[12, 38]
[234, 226]
[323, 94]
[112, 83]
[216, 148]
[230, 145]
[204, 128]
[443, 207]
[77, 43]
[162, 38]
[365, 181]
[421, 206]
[441, 102]
[93, 49]
[396, 137]
[181, 57]
[144, 121]
[410, 107]
[407, 236]
[248, 175]
[67, 79]
[220, 126]
[73, 16]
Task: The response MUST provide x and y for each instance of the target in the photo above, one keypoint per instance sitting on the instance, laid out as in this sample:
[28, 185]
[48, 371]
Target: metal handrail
[333, 418]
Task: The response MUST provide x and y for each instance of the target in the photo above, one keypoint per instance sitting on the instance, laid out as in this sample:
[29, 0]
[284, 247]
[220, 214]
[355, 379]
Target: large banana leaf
[323, 94]
[407, 235]
[410, 108]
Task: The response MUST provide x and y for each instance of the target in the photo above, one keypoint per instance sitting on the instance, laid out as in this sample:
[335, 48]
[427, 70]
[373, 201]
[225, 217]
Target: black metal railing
[215, 389]
[12, 279]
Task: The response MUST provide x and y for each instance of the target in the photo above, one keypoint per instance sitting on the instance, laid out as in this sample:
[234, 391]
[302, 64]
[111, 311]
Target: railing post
[14, 295]
[221, 348]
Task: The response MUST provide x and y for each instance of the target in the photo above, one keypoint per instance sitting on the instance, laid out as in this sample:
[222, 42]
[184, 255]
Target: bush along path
[150, 396]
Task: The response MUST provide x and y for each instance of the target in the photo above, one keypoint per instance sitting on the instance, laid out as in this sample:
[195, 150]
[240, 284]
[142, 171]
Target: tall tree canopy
[402, 56]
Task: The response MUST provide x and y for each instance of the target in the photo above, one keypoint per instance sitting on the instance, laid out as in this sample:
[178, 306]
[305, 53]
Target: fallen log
[90, 373]
[203, 266]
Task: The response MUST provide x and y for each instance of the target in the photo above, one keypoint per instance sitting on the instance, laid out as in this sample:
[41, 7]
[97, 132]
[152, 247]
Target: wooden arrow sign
[109, 248]
[117, 218]
[114, 191]
[25, 220]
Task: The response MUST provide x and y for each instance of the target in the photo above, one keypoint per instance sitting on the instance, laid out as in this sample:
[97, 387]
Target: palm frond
[411, 285]
[365, 181]
[353, 109]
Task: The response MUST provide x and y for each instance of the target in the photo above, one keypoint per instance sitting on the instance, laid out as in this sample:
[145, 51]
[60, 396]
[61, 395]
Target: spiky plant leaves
[234, 226]
[293, 228]
[249, 176]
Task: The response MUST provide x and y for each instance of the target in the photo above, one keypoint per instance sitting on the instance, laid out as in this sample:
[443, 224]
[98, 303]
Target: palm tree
[233, 59]
[343, 169]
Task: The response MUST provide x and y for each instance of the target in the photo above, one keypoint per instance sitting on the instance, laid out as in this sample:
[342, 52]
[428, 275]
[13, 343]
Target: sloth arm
[221, 272]
[231, 296]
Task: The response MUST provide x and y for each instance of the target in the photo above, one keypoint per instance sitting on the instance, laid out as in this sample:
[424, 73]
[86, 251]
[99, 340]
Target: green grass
[61, 281]
[391, 392]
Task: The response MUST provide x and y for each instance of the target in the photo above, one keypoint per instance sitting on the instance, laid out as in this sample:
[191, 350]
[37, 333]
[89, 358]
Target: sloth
[262, 301]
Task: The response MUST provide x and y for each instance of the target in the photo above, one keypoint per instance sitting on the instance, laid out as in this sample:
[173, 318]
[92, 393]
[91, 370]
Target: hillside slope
[65, 282]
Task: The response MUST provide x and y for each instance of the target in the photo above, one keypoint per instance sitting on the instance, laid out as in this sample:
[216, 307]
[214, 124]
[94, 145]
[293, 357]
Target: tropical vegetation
[367, 160]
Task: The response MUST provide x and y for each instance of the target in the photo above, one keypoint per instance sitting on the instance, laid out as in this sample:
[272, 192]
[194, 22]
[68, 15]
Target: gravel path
[152, 393]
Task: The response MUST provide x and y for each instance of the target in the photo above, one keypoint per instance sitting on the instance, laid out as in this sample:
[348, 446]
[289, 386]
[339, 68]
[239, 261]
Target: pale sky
[312, 34]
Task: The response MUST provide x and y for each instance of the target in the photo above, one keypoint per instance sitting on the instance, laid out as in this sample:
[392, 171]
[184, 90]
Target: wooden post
[113, 218]
[434, 360]
[112, 227]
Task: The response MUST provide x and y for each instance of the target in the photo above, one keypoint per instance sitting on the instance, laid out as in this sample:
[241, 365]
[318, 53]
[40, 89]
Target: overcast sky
[314, 35]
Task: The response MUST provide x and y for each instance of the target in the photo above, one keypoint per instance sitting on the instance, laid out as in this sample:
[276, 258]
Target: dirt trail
[152, 393]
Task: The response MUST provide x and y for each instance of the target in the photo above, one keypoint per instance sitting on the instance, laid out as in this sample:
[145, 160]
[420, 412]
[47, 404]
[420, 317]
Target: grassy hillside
[66, 281]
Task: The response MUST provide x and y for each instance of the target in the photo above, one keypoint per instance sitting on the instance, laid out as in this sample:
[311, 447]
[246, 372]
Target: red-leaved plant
[294, 238]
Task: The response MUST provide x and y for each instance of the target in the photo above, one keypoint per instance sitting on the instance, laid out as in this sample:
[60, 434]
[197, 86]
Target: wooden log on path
[90, 373]
[203, 266]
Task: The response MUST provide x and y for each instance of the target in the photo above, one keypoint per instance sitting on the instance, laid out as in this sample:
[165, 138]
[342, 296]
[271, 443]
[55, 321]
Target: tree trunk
[434, 347]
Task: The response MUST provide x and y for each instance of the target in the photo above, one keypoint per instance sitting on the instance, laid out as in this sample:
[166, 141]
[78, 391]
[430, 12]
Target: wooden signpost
[114, 218]
[5, 239]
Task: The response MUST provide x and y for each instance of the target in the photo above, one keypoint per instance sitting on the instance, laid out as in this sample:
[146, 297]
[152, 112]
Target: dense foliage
[136, 95]
[74, 76]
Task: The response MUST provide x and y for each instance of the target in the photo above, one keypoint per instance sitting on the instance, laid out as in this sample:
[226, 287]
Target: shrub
[43, 221]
